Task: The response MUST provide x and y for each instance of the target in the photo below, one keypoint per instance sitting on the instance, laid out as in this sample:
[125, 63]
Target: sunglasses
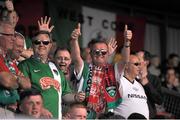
[37, 42]
[99, 52]
[136, 64]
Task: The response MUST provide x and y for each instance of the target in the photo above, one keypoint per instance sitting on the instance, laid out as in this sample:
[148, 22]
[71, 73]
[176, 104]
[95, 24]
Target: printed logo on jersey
[37, 71]
[137, 96]
[111, 90]
[47, 82]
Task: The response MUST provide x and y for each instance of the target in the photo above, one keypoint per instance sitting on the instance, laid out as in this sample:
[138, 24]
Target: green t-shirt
[42, 79]
[28, 42]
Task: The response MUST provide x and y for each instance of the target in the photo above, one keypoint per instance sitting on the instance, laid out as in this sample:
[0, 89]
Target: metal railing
[171, 102]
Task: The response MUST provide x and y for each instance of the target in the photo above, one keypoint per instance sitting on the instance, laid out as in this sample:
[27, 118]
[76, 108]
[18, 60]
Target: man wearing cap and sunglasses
[46, 77]
[97, 80]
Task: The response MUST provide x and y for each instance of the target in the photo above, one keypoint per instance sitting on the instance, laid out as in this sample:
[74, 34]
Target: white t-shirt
[134, 99]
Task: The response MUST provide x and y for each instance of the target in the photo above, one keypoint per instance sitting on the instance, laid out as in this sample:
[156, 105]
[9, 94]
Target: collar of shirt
[39, 59]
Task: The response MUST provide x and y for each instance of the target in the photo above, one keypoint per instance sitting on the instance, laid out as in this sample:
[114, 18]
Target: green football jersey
[42, 79]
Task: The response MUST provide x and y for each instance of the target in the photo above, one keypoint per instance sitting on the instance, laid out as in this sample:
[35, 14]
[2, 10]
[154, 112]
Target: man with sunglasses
[133, 94]
[45, 76]
[97, 80]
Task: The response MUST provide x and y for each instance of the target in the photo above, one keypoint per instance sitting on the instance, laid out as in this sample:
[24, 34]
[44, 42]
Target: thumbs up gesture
[76, 32]
[127, 34]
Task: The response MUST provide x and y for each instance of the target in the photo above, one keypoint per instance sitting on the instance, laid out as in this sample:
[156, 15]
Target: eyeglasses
[6, 34]
[99, 52]
[38, 42]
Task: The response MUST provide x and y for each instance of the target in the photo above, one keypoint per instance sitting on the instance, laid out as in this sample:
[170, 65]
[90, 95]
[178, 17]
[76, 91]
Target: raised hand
[80, 96]
[112, 45]
[67, 116]
[76, 32]
[44, 24]
[9, 5]
[27, 53]
[127, 34]
[143, 73]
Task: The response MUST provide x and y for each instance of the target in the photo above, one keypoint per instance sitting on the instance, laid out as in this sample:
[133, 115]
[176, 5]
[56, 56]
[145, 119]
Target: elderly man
[18, 47]
[46, 77]
[97, 79]
[133, 94]
[10, 76]
[19, 53]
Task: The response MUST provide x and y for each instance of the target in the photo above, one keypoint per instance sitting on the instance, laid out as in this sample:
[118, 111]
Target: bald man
[133, 94]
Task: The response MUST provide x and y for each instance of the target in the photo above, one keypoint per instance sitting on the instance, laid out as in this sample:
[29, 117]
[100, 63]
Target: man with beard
[97, 79]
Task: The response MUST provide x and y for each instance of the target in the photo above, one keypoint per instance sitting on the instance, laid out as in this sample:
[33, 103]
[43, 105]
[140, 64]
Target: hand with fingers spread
[76, 32]
[44, 24]
[9, 5]
[112, 45]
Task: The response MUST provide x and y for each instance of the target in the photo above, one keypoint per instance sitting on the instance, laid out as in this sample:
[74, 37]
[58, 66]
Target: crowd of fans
[40, 79]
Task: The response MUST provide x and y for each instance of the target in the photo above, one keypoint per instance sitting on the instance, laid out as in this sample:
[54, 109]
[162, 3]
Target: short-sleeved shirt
[133, 95]
[85, 85]
[42, 79]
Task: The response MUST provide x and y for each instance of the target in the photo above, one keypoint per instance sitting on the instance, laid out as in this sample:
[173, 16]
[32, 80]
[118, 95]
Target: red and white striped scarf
[96, 99]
